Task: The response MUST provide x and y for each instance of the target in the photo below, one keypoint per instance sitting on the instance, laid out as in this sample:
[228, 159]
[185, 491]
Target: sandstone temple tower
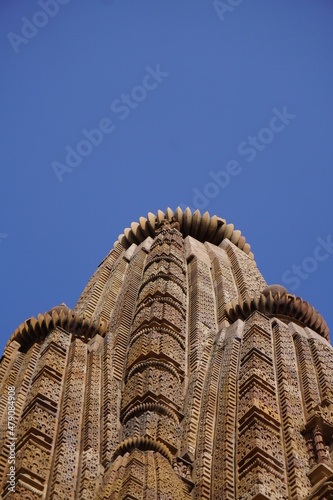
[178, 375]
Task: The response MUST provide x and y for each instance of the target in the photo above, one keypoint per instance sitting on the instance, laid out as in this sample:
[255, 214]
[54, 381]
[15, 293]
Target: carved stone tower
[179, 375]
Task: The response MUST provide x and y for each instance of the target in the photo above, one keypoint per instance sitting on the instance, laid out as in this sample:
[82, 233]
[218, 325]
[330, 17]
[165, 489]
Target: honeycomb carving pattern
[161, 383]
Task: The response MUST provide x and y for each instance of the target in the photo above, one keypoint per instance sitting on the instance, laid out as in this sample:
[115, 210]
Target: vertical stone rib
[67, 453]
[223, 467]
[122, 316]
[307, 374]
[201, 331]
[249, 279]
[90, 468]
[9, 357]
[22, 384]
[9, 380]
[152, 399]
[202, 313]
[260, 459]
[97, 292]
[296, 458]
[92, 292]
[323, 361]
[109, 413]
[112, 289]
[114, 354]
[207, 422]
[224, 283]
[193, 400]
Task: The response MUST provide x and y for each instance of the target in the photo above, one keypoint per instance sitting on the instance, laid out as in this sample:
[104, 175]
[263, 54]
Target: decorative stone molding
[202, 227]
[284, 305]
[144, 444]
[35, 328]
[144, 407]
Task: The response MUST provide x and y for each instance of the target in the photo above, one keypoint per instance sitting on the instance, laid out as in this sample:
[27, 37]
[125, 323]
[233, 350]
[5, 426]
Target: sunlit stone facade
[179, 375]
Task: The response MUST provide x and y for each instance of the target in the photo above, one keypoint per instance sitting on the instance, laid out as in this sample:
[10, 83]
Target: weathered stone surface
[179, 375]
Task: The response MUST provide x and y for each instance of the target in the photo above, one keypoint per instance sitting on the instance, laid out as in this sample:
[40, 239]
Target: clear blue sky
[182, 91]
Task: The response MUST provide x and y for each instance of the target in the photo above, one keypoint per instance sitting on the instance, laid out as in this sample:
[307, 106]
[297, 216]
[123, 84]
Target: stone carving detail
[259, 455]
[163, 428]
[161, 382]
[121, 319]
[38, 421]
[224, 282]
[111, 390]
[223, 469]
[291, 412]
[248, 278]
[179, 375]
[323, 360]
[66, 463]
[114, 354]
[152, 399]
[90, 460]
[206, 426]
[145, 474]
[307, 374]
[202, 309]
[108, 298]
[9, 358]
[10, 380]
[183, 469]
[22, 383]
[92, 292]
[158, 340]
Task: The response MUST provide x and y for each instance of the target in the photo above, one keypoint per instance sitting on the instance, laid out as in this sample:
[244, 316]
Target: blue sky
[226, 106]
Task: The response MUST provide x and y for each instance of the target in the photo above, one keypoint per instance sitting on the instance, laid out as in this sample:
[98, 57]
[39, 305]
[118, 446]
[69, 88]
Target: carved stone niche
[183, 469]
[318, 434]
